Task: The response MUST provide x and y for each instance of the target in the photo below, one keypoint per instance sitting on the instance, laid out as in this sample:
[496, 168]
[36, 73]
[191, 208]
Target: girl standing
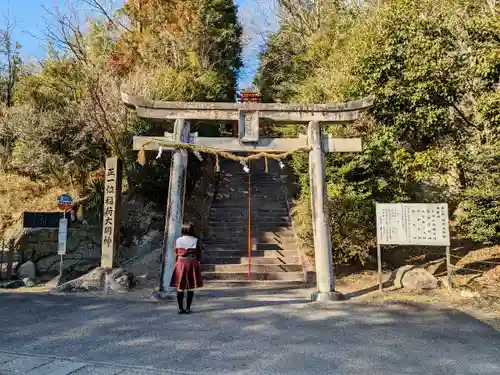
[187, 274]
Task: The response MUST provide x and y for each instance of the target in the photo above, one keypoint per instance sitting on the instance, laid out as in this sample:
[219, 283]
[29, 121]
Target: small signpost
[62, 241]
[65, 204]
[424, 224]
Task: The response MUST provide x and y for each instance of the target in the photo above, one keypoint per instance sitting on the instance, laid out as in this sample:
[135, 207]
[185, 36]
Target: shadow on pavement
[252, 332]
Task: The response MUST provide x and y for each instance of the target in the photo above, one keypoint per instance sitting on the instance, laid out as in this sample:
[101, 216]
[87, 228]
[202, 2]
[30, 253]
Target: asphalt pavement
[239, 331]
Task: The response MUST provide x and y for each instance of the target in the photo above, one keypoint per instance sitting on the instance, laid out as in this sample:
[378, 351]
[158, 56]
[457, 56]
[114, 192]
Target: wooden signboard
[42, 219]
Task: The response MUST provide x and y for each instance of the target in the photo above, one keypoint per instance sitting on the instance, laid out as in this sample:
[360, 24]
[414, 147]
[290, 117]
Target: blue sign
[65, 202]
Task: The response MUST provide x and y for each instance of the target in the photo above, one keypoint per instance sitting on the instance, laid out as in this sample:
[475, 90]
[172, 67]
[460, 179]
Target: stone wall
[82, 253]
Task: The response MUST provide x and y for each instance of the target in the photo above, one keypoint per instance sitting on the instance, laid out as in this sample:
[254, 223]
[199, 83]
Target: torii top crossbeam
[248, 115]
[162, 110]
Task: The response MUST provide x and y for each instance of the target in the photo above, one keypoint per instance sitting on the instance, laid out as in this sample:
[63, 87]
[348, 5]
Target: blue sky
[30, 20]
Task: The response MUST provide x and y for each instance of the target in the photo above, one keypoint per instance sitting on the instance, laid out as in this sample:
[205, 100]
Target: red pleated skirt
[187, 274]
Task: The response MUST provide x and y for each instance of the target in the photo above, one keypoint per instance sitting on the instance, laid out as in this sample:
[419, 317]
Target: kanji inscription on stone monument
[111, 221]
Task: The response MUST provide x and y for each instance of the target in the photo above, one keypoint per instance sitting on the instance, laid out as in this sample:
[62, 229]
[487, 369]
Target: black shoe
[188, 311]
[182, 311]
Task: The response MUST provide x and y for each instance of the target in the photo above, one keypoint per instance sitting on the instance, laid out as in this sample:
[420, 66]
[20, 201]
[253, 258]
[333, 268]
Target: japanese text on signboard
[413, 224]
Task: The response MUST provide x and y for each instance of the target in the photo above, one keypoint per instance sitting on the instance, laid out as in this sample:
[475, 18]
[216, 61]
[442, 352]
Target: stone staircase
[274, 255]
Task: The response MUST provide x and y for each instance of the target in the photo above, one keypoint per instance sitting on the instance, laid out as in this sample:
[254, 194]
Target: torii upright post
[321, 224]
[175, 203]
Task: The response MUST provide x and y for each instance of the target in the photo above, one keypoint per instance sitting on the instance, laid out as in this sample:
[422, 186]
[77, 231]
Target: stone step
[260, 206]
[254, 195]
[238, 203]
[270, 178]
[216, 217]
[243, 245]
[256, 217]
[242, 253]
[240, 209]
[258, 234]
[278, 228]
[257, 268]
[255, 246]
[242, 229]
[275, 226]
[241, 241]
[241, 185]
[285, 245]
[256, 229]
[241, 236]
[257, 276]
[231, 213]
[257, 283]
[256, 176]
[241, 205]
[265, 189]
[208, 259]
[260, 219]
[255, 221]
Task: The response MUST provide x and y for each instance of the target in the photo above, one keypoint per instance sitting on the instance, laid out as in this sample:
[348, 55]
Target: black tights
[180, 299]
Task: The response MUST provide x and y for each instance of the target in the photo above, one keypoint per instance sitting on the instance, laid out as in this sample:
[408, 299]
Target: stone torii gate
[248, 115]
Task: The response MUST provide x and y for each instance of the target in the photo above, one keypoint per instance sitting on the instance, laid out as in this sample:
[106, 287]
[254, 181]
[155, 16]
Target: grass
[19, 194]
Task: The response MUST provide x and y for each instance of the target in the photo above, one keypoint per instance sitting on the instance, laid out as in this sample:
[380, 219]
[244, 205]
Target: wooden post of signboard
[111, 212]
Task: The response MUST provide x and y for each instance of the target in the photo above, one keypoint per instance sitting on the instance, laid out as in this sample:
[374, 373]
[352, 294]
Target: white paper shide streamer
[160, 152]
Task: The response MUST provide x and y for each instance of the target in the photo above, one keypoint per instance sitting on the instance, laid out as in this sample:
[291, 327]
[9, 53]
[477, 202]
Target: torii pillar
[247, 115]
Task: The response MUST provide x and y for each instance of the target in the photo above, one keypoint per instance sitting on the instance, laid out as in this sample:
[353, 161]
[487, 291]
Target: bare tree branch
[96, 4]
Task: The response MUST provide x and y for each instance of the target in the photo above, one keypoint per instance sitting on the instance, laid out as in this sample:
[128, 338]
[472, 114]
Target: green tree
[432, 67]
[199, 40]
[10, 66]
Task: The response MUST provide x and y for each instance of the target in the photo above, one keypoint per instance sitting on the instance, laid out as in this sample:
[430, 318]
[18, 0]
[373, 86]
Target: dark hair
[187, 229]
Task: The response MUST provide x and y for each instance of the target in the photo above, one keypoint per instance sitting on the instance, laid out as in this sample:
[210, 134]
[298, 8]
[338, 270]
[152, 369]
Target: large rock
[398, 281]
[418, 279]
[116, 279]
[27, 270]
[90, 281]
[119, 280]
[13, 284]
[28, 282]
